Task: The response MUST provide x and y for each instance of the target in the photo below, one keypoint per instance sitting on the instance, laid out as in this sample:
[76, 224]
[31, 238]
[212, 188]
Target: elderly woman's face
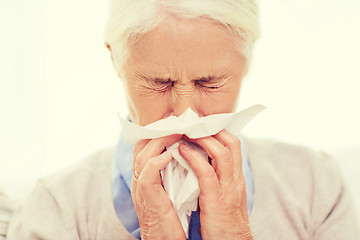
[183, 64]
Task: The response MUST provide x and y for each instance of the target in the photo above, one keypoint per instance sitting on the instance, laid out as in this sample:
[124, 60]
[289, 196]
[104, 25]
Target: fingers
[147, 149]
[137, 149]
[221, 155]
[225, 151]
[150, 175]
[222, 186]
[232, 143]
[153, 207]
[149, 154]
[208, 180]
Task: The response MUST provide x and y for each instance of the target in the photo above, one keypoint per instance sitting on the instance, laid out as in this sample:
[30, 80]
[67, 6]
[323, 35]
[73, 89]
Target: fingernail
[185, 146]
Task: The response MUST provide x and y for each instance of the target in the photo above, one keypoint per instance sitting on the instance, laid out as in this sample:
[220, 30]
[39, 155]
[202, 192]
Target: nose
[182, 101]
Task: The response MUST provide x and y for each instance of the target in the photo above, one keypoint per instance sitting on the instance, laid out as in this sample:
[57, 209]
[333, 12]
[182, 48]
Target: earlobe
[109, 48]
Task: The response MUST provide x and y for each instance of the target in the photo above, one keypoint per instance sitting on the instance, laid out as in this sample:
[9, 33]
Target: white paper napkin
[180, 182]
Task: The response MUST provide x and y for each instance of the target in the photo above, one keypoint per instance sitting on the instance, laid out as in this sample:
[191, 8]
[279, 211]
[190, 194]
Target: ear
[109, 48]
[107, 45]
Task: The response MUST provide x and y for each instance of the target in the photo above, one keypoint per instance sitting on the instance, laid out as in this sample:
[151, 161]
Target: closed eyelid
[213, 82]
[209, 81]
[156, 80]
[211, 77]
[163, 81]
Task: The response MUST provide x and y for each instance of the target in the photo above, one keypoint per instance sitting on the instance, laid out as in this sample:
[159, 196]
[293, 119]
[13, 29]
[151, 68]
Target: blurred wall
[59, 93]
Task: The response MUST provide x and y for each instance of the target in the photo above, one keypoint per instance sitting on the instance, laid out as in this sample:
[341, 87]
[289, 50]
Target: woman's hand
[157, 218]
[222, 200]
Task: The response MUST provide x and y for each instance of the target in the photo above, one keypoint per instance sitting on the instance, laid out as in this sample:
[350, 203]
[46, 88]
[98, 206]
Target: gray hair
[129, 19]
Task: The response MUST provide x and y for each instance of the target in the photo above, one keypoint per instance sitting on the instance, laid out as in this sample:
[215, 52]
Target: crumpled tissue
[179, 180]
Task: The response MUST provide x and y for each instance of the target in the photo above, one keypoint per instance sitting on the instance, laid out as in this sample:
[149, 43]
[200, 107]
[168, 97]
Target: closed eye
[213, 84]
[159, 85]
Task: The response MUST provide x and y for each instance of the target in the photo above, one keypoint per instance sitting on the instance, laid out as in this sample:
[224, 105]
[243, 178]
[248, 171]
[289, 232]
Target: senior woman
[172, 55]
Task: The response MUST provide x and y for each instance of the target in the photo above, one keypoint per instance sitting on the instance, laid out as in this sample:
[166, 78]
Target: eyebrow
[208, 78]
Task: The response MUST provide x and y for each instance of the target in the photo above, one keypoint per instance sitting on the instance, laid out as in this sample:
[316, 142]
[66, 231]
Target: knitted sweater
[299, 194]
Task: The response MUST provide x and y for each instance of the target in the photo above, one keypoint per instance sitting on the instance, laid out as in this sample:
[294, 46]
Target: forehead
[190, 47]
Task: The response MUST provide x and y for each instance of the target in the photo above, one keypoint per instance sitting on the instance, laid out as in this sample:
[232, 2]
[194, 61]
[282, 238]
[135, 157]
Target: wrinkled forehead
[185, 46]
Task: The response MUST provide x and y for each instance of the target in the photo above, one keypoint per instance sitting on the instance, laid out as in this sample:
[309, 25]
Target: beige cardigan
[299, 194]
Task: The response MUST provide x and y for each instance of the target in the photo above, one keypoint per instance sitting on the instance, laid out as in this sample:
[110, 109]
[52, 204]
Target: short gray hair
[129, 19]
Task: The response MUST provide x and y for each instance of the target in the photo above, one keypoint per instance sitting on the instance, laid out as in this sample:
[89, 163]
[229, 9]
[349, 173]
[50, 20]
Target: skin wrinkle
[185, 57]
[180, 64]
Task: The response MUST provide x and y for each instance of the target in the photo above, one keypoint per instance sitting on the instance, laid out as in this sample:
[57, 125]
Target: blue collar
[122, 177]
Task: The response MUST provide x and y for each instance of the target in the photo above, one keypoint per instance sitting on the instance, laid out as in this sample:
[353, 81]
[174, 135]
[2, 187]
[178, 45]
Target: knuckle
[219, 152]
[142, 184]
[229, 200]
[227, 184]
[227, 156]
[234, 142]
[152, 163]
[209, 172]
[140, 158]
[225, 200]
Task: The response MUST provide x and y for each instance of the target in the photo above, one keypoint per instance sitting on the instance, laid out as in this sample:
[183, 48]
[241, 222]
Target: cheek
[221, 102]
[146, 108]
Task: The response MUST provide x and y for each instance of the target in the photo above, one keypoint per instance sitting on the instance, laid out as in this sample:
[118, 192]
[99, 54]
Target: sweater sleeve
[40, 217]
[334, 215]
